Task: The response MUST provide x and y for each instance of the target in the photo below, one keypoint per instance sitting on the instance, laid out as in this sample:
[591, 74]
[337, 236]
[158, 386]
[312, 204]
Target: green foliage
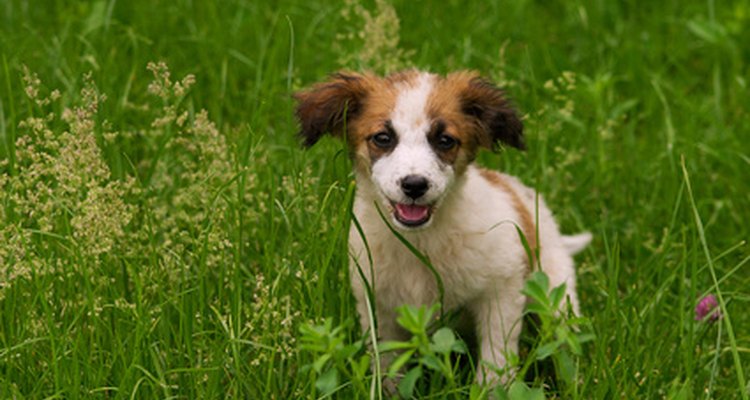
[555, 331]
[559, 337]
[422, 350]
[519, 391]
[334, 355]
[149, 249]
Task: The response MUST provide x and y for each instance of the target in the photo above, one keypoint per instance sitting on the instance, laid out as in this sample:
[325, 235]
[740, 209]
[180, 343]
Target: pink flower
[707, 305]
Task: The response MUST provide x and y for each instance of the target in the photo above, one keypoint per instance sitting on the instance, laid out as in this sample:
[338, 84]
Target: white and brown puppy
[413, 137]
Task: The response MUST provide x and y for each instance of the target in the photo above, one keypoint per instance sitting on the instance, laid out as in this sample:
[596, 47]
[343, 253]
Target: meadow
[164, 235]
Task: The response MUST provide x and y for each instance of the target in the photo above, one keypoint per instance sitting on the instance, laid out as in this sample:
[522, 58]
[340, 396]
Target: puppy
[413, 137]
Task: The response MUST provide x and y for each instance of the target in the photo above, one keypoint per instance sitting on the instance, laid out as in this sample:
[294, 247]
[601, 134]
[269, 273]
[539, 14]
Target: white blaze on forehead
[409, 115]
[413, 154]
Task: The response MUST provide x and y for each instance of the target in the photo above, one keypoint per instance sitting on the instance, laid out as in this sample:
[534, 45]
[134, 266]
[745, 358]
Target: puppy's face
[412, 134]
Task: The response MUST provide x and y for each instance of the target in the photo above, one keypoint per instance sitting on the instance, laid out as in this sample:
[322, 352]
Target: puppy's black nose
[414, 186]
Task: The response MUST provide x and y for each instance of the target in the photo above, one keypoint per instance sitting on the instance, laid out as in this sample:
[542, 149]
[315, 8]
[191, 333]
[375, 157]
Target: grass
[144, 255]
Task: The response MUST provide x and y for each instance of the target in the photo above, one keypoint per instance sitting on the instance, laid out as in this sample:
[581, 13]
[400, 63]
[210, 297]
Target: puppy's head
[412, 134]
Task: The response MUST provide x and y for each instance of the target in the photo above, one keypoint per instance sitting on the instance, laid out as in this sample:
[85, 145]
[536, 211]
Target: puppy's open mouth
[412, 215]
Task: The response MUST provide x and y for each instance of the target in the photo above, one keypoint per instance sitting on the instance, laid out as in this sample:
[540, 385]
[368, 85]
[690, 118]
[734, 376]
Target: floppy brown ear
[496, 117]
[327, 106]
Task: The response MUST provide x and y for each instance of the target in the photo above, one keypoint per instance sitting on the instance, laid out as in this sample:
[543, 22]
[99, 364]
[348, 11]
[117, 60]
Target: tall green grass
[149, 249]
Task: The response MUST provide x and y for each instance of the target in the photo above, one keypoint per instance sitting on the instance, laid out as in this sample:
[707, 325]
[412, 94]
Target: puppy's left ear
[492, 112]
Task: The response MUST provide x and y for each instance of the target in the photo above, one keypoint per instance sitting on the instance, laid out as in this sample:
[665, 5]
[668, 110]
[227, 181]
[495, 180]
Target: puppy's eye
[445, 142]
[384, 140]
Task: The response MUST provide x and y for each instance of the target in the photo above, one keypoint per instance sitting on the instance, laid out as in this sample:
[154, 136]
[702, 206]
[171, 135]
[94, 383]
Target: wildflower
[707, 305]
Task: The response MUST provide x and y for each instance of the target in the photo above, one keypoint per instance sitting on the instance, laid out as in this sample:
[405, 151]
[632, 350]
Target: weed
[150, 249]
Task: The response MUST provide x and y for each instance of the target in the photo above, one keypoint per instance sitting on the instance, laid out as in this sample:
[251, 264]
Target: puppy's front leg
[498, 317]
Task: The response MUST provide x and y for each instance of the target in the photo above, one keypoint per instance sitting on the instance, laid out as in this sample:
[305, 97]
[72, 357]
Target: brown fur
[494, 116]
[470, 109]
[445, 104]
[450, 156]
[372, 120]
[327, 106]
[526, 220]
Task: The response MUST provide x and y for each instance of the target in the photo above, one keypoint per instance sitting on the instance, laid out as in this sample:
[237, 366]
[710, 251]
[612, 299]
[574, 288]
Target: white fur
[471, 240]
[474, 246]
[576, 243]
[413, 154]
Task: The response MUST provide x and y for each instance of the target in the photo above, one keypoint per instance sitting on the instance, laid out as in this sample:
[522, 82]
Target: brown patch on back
[526, 219]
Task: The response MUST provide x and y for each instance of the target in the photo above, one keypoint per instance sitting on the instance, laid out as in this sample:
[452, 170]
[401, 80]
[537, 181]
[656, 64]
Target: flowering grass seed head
[378, 35]
[68, 217]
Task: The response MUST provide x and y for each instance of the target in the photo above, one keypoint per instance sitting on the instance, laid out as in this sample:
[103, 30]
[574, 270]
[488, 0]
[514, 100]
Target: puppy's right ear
[326, 107]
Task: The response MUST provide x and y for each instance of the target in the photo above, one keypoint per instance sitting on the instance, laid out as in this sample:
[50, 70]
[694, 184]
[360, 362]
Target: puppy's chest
[401, 278]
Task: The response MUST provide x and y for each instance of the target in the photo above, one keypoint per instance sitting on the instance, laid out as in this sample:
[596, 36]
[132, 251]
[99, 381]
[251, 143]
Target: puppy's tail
[575, 243]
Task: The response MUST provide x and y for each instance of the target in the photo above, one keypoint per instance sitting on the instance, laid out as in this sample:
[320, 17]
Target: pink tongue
[412, 212]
